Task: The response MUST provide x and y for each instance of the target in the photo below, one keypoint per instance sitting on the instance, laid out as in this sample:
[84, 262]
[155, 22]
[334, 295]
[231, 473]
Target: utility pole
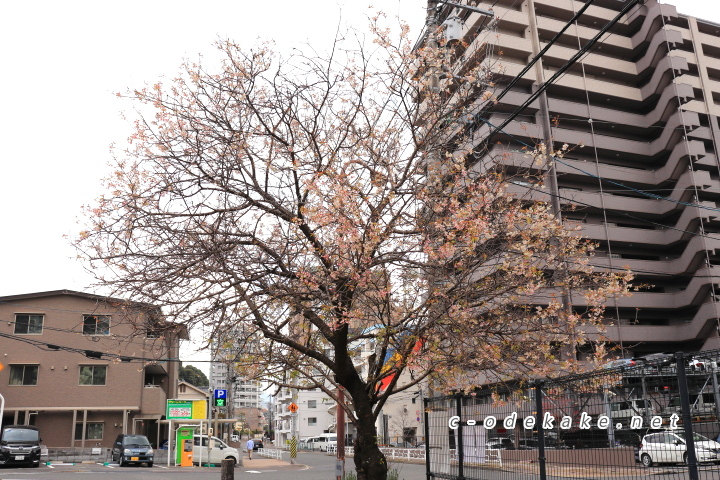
[452, 22]
[340, 431]
[544, 112]
[294, 427]
[549, 154]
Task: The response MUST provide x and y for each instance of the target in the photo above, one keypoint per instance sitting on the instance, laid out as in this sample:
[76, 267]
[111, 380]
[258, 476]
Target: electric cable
[562, 69]
[588, 174]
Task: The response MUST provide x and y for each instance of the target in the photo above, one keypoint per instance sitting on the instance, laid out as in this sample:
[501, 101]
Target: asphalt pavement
[317, 466]
[307, 466]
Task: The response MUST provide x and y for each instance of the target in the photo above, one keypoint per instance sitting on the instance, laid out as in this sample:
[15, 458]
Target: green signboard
[179, 410]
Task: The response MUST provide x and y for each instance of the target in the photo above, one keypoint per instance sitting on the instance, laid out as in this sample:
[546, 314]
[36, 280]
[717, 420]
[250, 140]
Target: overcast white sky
[62, 64]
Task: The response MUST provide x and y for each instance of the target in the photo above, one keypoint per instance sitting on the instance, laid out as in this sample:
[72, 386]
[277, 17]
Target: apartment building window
[23, 374]
[312, 403]
[96, 324]
[93, 431]
[28, 324]
[93, 374]
[312, 421]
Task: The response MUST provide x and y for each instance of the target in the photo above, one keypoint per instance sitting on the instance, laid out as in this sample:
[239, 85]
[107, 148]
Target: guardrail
[391, 453]
[270, 453]
[491, 455]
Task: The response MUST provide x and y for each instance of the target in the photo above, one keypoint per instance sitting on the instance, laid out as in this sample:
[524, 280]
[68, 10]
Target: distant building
[84, 368]
[188, 391]
[252, 418]
[313, 415]
[241, 393]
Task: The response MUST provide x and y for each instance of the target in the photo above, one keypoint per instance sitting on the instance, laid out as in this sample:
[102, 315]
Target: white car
[320, 442]
[215, 455]
[670, 447]
[698, 364]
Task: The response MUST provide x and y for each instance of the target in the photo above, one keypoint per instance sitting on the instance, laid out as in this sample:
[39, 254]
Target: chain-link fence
[652, 416]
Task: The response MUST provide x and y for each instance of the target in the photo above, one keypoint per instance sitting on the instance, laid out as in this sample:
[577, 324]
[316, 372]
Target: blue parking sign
[220, 393]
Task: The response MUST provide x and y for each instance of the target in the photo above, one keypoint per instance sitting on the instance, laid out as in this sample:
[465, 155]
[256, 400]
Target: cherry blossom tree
[324, 211]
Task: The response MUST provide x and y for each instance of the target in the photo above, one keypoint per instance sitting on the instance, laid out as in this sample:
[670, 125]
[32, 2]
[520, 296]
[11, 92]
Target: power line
[562, 69]
[543, 51]
[88, 352]
[636, 190]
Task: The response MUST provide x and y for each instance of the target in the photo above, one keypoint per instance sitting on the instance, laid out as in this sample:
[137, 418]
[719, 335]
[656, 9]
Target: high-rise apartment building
[640, 112]
[223, 375]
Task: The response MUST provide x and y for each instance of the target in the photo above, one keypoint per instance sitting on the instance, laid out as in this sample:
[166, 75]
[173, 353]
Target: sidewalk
[260, 463]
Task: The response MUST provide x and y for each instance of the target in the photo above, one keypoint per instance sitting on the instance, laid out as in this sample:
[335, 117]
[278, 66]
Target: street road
[310, 466]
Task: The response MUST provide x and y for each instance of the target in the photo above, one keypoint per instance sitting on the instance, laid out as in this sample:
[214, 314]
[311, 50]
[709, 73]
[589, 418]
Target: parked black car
[129, 449]
[20, 445]
[257, 444]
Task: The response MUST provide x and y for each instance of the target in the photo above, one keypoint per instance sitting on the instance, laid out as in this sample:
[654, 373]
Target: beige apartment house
[645, 186]
[85, 368]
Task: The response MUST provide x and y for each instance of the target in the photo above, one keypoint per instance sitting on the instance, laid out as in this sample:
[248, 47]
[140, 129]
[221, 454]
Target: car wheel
[150, 464]
[234, 462]
[685, 459]
[122, 462]
[36, 465]
[646, 460]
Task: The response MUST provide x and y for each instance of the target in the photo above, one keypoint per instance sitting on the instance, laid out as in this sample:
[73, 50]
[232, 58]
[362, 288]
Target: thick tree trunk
[370, 463]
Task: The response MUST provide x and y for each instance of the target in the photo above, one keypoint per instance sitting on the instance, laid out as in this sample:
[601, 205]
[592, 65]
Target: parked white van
[320, 442]
[215, 455]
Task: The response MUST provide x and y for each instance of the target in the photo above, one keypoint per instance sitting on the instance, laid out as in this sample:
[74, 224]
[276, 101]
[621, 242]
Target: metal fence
[391, 453]
[85, 455]
[656, 417]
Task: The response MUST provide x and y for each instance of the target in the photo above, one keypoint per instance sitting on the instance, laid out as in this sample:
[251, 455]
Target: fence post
[541, 432]
[686, 419]
[427, 436]
[227, 469]
[459, 446]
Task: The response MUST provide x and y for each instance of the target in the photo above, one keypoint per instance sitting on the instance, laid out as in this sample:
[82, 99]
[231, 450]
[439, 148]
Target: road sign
[293, 407]
[220, 402]
[220, 393]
